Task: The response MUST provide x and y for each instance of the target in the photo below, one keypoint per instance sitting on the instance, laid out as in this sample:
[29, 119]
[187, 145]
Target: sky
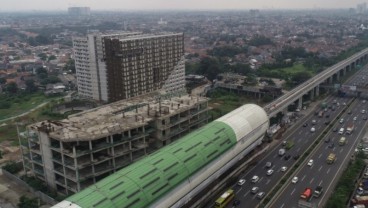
[29, 5]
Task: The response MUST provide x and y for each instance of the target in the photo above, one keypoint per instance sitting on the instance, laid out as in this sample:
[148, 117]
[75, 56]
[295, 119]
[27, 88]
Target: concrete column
[317, 91]
[344, 72]
[338, 76]
[300, 103]
[284, 111]
[312, 94]
[330, 80]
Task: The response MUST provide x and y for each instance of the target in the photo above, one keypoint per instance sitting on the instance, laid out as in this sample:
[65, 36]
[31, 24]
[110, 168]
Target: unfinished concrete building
[71, 154]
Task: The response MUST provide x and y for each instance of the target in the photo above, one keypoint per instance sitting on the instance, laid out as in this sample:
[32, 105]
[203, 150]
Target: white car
[254, 190]
[363, 111]
[241, 182]
[255, 179]
[283, 168]
[295, 180]
[355, 118]
[312, 129]
[341, 120]
[310, 163]
[269, 172]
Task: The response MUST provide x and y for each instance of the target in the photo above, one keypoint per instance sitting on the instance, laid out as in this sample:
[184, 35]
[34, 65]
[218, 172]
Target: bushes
[13, 167]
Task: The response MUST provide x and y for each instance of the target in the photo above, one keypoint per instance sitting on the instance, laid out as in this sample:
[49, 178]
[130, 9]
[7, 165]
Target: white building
[132, 64]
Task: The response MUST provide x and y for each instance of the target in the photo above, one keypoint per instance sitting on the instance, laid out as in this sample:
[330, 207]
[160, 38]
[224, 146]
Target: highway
[280, 103]
[303, 138]
[321, 173]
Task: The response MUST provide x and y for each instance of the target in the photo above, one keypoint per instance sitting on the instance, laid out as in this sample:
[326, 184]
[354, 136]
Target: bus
[224, 199]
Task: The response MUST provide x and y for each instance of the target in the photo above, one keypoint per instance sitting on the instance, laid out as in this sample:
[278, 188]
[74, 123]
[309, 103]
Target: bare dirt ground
[10, 192]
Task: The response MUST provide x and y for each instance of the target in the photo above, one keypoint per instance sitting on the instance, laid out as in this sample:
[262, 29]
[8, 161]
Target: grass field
[294, 69]
[22, 104]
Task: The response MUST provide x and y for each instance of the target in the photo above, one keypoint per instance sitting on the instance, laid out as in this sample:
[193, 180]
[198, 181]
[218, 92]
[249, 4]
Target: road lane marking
[260, 180]
[303, 177]
[239, 190]
[298, 149]
[320, 155]
[320, 168]
[320, 183]
[268, 181]
[282, 206]
[246, 193]
[300, 132]
[292, 191]
[328, 170]
[326, 147]
[311, 181]
[341, 150]
[275, 156]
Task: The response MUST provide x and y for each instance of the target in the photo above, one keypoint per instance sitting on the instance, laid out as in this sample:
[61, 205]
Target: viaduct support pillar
[300, 103]
[317, 90]
[344, 72]
[330, 80]
[312, 94]
[338, 76]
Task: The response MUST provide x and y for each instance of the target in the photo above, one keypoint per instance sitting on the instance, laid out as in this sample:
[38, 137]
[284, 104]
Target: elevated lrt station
[174, 174]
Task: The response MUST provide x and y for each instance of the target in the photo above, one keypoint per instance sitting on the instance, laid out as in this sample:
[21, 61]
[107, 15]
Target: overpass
[312, 85]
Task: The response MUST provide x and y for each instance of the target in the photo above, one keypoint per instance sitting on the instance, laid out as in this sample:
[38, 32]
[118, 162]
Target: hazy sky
[11, 5]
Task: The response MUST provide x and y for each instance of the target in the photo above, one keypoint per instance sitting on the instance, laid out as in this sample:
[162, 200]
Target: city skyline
[21, 5]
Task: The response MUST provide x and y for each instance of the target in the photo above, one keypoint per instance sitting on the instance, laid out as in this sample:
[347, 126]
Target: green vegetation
[223, 102]
[25, 202]
[345, 186]
[13, 167]
[18, 104]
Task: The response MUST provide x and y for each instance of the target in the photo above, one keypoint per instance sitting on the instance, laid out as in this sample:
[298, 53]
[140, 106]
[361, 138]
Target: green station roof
[147, 180]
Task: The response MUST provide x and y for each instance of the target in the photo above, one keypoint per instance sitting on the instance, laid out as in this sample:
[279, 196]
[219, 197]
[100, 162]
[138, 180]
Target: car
[312, 129]
[333, 108]
[355, 118]
[363, 101]
[364, 117]
[349, 112]
[341, 121]
[332, 145]
[254, 190]
[343, 103]
[269, 172]
[334, 129]
[363, 111]
[327, 122]
[255, 179]
[360, 191]
[296, 157]
[327, 116]
[314, 121]
[236, 202]
[294, 180]
[310, 162]
[327, 140]
[241, 182]
[305, 124]
[260, 195]
[283, 168]
[287, 157]
[297, 110]
[268, 164]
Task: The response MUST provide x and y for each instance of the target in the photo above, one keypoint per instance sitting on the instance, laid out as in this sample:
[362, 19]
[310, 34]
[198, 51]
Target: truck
[307, 194]
[342, 141]
[350, 128]
[320, 113]
[289, 144]
[324, 105]
[359, 200]
[318, 191]
[331, 158]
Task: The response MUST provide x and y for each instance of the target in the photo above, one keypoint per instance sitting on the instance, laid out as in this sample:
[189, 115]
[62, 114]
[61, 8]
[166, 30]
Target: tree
[52, 57]
[2, 80]
[300, 77]
[25, 202]
[209, 67]
[30, 86]
[70, 66]
[12, 87]
[42, 56]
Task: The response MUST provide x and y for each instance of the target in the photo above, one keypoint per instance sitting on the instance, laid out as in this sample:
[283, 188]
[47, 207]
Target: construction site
[74, 153]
